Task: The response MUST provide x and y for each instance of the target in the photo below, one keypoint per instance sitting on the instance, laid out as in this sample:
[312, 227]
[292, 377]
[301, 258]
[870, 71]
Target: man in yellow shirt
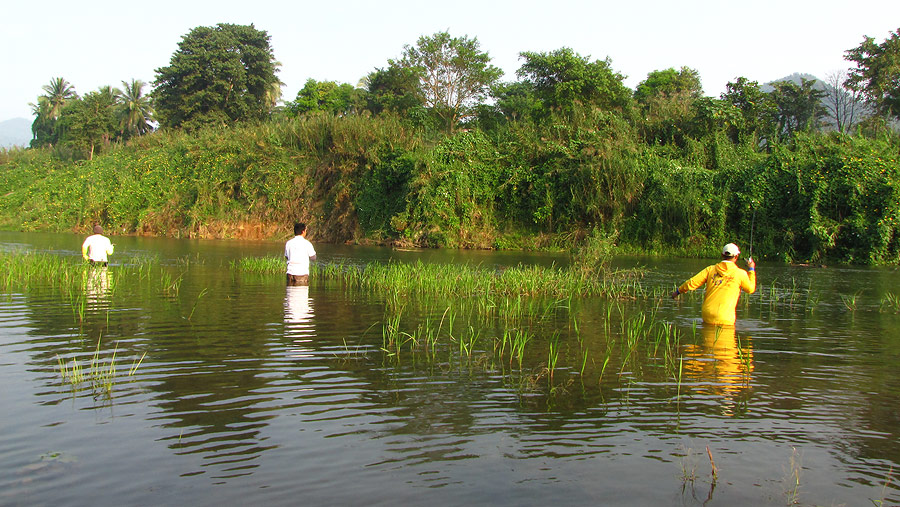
[724, 282]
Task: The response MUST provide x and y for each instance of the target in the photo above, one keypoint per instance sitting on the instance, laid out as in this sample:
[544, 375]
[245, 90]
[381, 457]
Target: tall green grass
[462, 280]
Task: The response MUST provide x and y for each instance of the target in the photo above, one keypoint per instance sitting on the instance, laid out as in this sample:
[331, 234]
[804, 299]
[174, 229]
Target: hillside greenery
[416, 156]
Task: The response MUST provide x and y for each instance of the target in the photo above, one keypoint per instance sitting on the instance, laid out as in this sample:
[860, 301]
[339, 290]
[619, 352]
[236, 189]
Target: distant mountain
[795, 78]
[15, 132]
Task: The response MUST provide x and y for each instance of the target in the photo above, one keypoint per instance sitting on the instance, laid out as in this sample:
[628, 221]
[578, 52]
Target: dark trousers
[298, 279]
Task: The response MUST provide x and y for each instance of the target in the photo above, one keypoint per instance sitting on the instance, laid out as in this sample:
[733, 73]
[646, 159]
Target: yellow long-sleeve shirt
[724, 282]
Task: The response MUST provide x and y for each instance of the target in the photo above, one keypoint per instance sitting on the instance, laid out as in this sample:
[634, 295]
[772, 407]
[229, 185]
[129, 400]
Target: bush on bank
[522, 185]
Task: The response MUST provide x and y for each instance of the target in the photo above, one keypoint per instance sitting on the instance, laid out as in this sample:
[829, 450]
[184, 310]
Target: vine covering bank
[821, 197]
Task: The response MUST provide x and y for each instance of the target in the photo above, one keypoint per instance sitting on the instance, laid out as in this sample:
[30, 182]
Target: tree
[219, 75]
[684, 83]
[877, 73]
[667, 98]
[134, 109]
[49, 106]
[454, 74]
[90, 122]
[515, 100]
[797, 107]
[843, 105]
[57, 94]
[393, 89]
[563, 78]
[756, 108]
[327, 96]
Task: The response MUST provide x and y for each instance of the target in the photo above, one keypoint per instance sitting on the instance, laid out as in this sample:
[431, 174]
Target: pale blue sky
[102, 42]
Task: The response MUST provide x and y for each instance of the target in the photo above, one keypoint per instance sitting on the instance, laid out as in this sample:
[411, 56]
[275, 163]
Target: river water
[250, 391]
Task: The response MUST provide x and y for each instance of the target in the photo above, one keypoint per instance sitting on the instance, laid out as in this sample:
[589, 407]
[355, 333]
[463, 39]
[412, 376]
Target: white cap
[730, 250]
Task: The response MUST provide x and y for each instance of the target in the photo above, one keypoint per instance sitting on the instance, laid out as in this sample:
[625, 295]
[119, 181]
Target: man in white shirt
[298, 251]
[97, 247]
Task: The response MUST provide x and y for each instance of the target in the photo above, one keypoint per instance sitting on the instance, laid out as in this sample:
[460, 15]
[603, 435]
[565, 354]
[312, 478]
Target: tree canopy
[327, 96]
[563, 78]
[669, 83]
[219, 76]
[454, 74]
[877, 73]
[135, 111]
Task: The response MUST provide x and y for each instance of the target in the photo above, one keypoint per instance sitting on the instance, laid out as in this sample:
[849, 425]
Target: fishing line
[752, 223]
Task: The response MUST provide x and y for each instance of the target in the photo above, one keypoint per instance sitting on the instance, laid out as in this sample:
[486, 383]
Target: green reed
[100, 373]
[890, 302]
[553, 355]
[455, 280]
[851, 301]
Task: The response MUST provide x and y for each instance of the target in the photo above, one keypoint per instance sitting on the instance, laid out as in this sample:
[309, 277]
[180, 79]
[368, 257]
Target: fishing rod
[752, 223]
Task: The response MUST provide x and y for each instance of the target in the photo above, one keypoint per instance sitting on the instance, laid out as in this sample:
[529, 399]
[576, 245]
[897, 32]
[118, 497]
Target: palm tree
[135, 111]
[42, 126]
[57, 93]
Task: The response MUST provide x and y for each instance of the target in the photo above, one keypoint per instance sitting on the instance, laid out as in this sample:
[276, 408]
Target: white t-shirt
[97, 247]
[297, 251]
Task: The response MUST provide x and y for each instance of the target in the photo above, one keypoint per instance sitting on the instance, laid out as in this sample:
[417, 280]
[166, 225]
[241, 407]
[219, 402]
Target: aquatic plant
[454, 280]
[850, 301]
[100, 373]
[792, 478]
[890, 302]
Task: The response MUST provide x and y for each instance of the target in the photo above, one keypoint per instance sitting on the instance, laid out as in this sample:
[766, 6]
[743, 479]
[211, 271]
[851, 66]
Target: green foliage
[669, 82]
[394, 89]
[453, 73]
[680, 207]
[757, 112]
[382, 194]
[451, 201]
[219, 75]
[49, 106]
[877, 73]
[576, 179]
[798, 108]
[329, 97]
[833, 198]
[135, 112]
[563, 78]
[88, 123]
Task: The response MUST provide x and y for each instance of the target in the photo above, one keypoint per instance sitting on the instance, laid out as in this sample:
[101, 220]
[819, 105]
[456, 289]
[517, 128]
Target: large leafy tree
[327, 96]
[798, 107]
[219, 75]
[134, 109]
[756, 109]
[877, 73]
[515, 101]
[562, 79]
[669, 83]
[454, 74]
[667, 99]
[85, 125]
[394, 89]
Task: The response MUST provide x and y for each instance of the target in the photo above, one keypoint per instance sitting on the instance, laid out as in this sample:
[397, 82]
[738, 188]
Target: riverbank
[377, 181]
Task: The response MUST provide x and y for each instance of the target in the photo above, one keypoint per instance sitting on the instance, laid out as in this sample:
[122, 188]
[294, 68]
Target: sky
[101, 42]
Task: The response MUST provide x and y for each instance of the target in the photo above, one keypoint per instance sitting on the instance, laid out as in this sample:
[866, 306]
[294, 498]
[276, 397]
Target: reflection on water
[298, 321]
[97, 283]
[720, 365]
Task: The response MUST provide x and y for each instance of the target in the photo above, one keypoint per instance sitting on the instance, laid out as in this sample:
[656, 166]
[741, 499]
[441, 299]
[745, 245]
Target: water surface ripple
[238, 389]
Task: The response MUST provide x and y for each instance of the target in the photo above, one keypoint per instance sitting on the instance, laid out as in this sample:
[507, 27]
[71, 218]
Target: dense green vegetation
[416, 157]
